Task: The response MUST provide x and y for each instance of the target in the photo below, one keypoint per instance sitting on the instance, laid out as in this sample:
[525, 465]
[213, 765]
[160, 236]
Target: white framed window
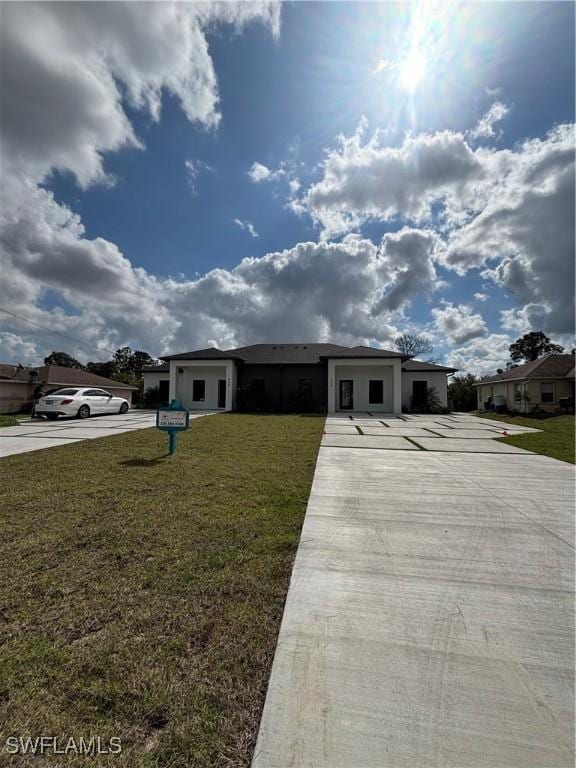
[546, 392]
[517, 392]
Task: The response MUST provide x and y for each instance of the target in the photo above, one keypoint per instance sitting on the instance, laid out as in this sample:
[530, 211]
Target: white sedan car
[81, 402]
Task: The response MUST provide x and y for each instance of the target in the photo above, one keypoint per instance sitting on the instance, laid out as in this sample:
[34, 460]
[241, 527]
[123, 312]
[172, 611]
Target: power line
[56, 333]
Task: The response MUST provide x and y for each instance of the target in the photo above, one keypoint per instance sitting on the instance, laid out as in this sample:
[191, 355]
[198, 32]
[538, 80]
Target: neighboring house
[17, 384]
[292, 377]
[546, 384]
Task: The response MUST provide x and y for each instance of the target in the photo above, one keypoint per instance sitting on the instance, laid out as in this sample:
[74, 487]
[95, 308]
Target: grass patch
[141, 594]
[555, 440]
[8, 421]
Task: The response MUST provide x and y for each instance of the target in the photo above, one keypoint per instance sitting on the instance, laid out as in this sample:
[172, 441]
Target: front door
[222, 393]
[346, 394]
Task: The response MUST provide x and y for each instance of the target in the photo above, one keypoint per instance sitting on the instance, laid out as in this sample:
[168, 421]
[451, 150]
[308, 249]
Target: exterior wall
[562, 388]
[154, 379]
[361, 372]
[436, 379]
[14, 396]
[281, 383]
[183, 372]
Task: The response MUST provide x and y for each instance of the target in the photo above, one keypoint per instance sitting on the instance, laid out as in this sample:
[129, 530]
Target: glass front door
[346, 394]
[222, 393]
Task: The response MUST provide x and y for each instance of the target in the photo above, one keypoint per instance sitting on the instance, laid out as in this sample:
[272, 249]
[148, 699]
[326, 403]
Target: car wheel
[83, 412]
[51, 416]
[124, 408]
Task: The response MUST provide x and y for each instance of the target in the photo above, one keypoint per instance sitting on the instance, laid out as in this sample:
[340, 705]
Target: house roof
[164, 368]
[58, 374]
[364, 352]
[550, 366]
[211, 353]
[305, 353]
[420, 365]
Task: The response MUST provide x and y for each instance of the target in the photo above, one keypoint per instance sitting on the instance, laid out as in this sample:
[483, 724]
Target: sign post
[172, 419]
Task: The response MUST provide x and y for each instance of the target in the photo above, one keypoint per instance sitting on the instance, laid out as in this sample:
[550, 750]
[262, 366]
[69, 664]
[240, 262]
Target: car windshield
[65, 392]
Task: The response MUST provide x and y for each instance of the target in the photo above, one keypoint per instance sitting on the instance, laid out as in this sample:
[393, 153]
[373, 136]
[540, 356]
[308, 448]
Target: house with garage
[17, 384]
[296, 377]
[545, 384]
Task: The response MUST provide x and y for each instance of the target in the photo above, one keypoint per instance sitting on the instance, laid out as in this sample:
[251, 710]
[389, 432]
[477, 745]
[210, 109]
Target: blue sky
[287, 82]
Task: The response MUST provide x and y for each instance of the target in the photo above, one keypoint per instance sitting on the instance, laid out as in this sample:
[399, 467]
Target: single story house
[17, 384]
[546, 384]
[292, 377]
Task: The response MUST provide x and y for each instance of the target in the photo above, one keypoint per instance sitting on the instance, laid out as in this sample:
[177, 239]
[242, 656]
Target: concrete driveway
[35, 434]
[430, 616]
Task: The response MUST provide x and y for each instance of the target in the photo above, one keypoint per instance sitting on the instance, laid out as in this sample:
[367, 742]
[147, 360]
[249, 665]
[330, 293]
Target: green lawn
[141, 594]
[8, 421]
[555, 440]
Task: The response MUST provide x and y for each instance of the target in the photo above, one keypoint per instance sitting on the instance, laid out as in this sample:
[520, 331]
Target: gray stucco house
[292, 377]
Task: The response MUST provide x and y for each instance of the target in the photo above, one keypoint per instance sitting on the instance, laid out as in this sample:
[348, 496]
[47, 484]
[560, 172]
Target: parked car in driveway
[81, 402]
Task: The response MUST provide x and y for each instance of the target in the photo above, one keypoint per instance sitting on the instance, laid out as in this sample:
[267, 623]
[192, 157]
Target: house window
[375, 392]
[546, 392]
[304, 386]
[198, 390]
[517, 392]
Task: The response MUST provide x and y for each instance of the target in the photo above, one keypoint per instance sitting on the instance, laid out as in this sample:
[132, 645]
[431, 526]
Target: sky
[176, 176]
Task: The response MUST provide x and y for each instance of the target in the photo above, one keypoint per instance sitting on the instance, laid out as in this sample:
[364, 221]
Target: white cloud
[247, 227]
[459, 324]
[508, 212]
[193, 170]
[259, 172]
[481, 356]
[364, 180]
[484, 129]
[481, 296]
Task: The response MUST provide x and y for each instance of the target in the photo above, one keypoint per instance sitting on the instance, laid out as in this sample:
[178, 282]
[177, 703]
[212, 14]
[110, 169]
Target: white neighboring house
[293, 377]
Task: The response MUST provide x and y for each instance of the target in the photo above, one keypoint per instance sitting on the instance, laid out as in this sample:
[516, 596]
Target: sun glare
[412, 70]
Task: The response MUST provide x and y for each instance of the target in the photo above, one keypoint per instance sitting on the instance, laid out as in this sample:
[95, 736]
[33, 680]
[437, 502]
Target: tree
[129, 363]
[107, 369]
[531, 346]
[462, 392]
[411, 345]
[63, 359]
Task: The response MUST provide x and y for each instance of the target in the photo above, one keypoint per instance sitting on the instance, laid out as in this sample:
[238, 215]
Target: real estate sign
[172, 419]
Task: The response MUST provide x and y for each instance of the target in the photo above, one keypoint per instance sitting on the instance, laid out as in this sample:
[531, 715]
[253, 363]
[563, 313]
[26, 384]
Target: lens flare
[413, 70]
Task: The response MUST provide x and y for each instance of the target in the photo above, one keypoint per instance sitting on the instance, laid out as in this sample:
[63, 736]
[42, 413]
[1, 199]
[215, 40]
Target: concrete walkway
[35, 434]
[430, 617]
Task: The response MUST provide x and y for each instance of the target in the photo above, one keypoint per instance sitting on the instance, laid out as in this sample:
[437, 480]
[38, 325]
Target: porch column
[173, 374]
[331, 386]
[230, 384]
[397, 375]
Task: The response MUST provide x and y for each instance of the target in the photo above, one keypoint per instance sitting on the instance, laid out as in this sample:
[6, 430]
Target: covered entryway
[203, 385]
[372, 385]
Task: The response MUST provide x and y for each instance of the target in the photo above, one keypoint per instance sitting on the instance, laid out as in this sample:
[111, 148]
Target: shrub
[429, 402]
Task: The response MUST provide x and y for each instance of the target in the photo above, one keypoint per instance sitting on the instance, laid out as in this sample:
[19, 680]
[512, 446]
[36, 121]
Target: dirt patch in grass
[141, 594]
[556, 438]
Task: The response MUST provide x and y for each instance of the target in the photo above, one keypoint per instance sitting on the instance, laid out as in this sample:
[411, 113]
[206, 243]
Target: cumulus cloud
[319, 291]
[364, 180]
[247, 227]
[481, 356]
[481, 296]
[259, 172]
[459, 324]
[485, 126]
[523, 237]
[507, 212]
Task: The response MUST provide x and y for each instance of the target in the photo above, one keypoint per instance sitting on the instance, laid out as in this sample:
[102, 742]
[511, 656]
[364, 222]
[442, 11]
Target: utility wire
[56, 333]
